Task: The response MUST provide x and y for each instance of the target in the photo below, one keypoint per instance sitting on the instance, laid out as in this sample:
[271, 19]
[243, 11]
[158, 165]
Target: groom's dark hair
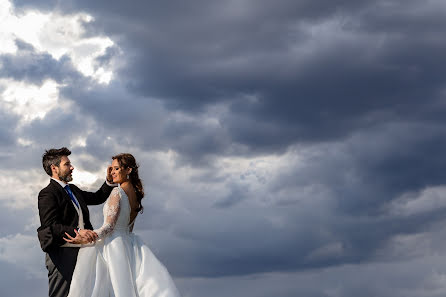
[52, 157]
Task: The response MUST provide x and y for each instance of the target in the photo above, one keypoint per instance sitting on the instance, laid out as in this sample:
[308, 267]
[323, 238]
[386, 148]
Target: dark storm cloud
[7, 120]
[106, 58]
[13, 218]
[409, 157]
[308, 79]
[30, 66]
[38, 130]
[374, 166]
[132, 120]
[237, 194]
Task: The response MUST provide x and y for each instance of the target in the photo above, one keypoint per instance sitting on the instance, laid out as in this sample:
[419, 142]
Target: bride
[119, 264]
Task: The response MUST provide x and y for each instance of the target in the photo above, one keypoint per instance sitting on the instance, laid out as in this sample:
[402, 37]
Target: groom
[62, 209]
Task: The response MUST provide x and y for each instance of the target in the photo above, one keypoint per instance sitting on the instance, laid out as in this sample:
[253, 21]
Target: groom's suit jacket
[58, 215]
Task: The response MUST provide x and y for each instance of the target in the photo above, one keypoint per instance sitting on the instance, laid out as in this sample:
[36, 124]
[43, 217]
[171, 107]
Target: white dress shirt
[79, 212]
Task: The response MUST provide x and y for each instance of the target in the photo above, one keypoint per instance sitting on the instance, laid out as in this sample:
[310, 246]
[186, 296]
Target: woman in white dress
[119, 264]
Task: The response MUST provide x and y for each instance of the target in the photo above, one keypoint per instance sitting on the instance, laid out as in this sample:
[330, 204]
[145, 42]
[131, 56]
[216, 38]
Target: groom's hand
[82, 237]
[109, 176]
[88, 234]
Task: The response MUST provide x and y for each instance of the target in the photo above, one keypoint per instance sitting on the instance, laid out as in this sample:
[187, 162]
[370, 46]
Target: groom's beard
[67, 177]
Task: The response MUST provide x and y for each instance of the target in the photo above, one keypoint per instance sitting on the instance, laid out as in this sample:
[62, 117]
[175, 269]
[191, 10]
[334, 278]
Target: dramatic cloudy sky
[288, 148]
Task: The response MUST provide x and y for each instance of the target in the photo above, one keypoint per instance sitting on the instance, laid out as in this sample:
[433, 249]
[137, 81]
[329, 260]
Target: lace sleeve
[113, 208]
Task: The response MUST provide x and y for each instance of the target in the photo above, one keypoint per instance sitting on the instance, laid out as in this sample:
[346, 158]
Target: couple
[111, 260]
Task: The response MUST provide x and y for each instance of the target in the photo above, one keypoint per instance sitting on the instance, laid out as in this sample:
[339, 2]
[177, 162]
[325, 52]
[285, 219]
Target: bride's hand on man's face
[82, 237]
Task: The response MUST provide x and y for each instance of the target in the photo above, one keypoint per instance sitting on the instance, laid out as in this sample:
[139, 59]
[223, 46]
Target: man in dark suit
[63, 210]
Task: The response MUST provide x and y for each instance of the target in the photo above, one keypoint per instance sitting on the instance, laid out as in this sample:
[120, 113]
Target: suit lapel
[64, 196]
[78, 197]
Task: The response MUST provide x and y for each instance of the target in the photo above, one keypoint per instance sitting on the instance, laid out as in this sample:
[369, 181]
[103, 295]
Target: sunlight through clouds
[29, 101]
[84, 178]
[58, 35]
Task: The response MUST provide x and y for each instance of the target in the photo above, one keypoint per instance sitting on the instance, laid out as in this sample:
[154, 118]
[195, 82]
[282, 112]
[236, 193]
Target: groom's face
[65, 169]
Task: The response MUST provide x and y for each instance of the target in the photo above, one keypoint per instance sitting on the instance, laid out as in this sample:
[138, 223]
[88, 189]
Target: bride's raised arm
[113, 205]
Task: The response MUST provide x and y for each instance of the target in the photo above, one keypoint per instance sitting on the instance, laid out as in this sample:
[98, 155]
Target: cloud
[29, 66]
[6, 134]
[283, 74]
[426, 200]
[14, 282]
[22, 251]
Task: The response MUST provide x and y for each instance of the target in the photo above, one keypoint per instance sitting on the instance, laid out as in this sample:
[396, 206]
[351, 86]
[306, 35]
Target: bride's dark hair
[126, 160]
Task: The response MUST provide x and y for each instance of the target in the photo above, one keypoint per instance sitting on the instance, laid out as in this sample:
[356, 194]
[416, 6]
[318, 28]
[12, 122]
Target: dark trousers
[58, 286]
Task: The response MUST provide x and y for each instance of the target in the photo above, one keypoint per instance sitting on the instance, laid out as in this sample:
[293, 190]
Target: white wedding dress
[119, 264]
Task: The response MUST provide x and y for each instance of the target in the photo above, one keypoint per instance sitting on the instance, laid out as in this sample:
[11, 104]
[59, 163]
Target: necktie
[67, 188]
